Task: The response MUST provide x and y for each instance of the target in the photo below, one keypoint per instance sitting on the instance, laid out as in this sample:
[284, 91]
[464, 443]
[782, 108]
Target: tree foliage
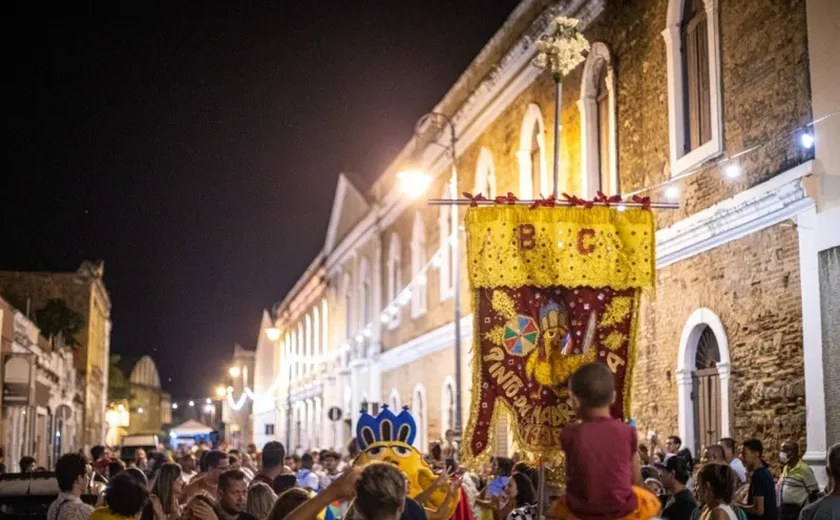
[56, 318]
[117, 381]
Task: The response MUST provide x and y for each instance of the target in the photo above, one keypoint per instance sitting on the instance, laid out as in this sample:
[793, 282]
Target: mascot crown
[385, 427]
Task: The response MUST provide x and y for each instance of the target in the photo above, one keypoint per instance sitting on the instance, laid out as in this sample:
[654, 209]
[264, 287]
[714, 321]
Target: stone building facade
[84, 292]
[702, 101]
[40, 397]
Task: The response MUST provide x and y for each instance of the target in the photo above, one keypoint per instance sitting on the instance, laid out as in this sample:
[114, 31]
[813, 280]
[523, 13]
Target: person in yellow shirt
[125, 499]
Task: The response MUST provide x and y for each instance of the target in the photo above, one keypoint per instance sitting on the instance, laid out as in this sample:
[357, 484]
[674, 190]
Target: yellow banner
[515, 246]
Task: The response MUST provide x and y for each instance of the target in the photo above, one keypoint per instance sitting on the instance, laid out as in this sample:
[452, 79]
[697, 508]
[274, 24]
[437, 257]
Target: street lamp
[429, 129]
[221, 391]
[272, 333]
[234, 371]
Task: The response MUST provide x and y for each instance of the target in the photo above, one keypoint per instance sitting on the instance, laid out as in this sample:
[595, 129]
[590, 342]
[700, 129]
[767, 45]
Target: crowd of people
[609, 475]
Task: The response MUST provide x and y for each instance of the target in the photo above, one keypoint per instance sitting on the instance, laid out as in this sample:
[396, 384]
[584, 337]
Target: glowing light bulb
[807, 140]
[733, 171]
[208, 401]
[174, 406]
[672, 192]
[192, 403]
[140, 410]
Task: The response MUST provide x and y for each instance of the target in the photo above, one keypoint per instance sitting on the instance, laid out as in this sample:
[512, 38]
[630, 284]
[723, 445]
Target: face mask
[783, 457]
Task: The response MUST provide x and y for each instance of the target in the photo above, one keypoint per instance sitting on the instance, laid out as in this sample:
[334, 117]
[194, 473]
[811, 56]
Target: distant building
[84, 292]
[238, 428]
[39, 393]
[149, 407]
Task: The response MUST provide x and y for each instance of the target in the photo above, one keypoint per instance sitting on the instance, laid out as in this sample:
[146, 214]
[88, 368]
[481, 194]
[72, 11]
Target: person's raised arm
[342, 489]
[441, 481]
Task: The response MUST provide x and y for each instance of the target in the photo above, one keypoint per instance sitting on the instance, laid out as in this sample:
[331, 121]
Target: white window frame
[533, 116]
[419, 409]
[307, 348]
[447, 263]
[686, 359]
[325, 327]
[599, 56]
[418, 262]
[301, 351]
[394, 401]
[485, 174]
[446, 389]
[347, 294]
[394, 272]
[683, 162]
[316, 336]
[365, 293]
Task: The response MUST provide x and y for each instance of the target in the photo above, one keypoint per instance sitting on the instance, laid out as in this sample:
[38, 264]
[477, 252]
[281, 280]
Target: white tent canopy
[190, 428]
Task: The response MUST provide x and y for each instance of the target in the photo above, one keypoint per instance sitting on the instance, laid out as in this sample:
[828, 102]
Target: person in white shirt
[306, 478]
[728, 444]
[188, 468]
[71, 473]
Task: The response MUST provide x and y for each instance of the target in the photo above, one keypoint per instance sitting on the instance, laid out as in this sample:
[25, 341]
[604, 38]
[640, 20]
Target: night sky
[196, 150]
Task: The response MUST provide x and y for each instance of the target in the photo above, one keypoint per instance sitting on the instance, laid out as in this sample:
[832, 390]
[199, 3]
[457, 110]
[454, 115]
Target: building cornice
[492, 96]
[767, 204]
[422, 346]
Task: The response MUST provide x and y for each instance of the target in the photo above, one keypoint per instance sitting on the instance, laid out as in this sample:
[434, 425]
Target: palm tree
[57, 319]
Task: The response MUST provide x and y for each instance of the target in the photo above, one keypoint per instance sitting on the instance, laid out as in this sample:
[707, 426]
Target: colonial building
[149, 406]
[238, 425]
[701, 101]
[83, 291]
[40, 397]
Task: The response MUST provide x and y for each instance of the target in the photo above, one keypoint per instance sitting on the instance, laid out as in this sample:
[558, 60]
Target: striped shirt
[797, 483]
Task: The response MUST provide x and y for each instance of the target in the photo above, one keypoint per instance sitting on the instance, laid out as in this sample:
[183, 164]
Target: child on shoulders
[603, 470]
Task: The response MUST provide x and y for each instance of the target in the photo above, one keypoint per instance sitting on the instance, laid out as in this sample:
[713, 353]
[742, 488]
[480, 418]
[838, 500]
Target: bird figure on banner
[556, 358]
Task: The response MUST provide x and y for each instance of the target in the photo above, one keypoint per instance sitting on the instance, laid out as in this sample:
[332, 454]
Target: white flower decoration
[562, 49]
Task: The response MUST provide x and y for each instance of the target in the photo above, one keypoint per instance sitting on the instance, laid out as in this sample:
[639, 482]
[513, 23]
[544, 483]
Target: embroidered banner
[552, 288]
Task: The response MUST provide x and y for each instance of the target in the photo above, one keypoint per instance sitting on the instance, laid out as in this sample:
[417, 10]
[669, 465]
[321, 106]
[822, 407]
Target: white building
[40, 398]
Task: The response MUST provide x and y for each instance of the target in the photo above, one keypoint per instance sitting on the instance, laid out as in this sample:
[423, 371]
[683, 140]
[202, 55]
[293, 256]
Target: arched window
[347, 291]
[533, 179]
[307, 349]
[418, 262]
[446, 261]
[293, 358]
[316, 337]
[694, 97]
[447, 406]
[394, 275]
[394, 401]
[598, 124]
[703, 372]
[419, 410]
[364, 293]
[301, 350]
[706, 389]
[485, 174]
[325, 335]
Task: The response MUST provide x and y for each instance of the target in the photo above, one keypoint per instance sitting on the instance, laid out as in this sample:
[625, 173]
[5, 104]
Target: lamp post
[430, 128]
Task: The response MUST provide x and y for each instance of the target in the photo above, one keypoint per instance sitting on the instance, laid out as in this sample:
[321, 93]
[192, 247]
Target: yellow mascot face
[389, 438]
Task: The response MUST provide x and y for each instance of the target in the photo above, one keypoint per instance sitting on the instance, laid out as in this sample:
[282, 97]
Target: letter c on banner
[583, 245]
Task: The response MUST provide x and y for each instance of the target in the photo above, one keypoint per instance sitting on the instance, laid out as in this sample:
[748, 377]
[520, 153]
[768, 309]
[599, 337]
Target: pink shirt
[599, 480]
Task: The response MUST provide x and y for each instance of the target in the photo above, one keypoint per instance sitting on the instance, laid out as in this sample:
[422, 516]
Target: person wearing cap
[681, 504]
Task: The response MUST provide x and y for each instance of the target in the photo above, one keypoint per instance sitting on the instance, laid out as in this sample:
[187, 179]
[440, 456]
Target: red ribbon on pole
[509, 199]
[644, 201]
[474, 200]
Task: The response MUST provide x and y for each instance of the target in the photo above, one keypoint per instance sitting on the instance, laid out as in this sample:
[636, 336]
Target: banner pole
[541, 491]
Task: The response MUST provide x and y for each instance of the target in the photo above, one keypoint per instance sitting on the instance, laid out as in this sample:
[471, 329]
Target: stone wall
[752, 285]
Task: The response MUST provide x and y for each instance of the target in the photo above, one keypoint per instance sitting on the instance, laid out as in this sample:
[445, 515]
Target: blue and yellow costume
[389, 438]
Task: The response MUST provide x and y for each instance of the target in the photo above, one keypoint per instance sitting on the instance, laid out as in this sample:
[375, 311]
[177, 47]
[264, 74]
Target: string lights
[730, 166]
